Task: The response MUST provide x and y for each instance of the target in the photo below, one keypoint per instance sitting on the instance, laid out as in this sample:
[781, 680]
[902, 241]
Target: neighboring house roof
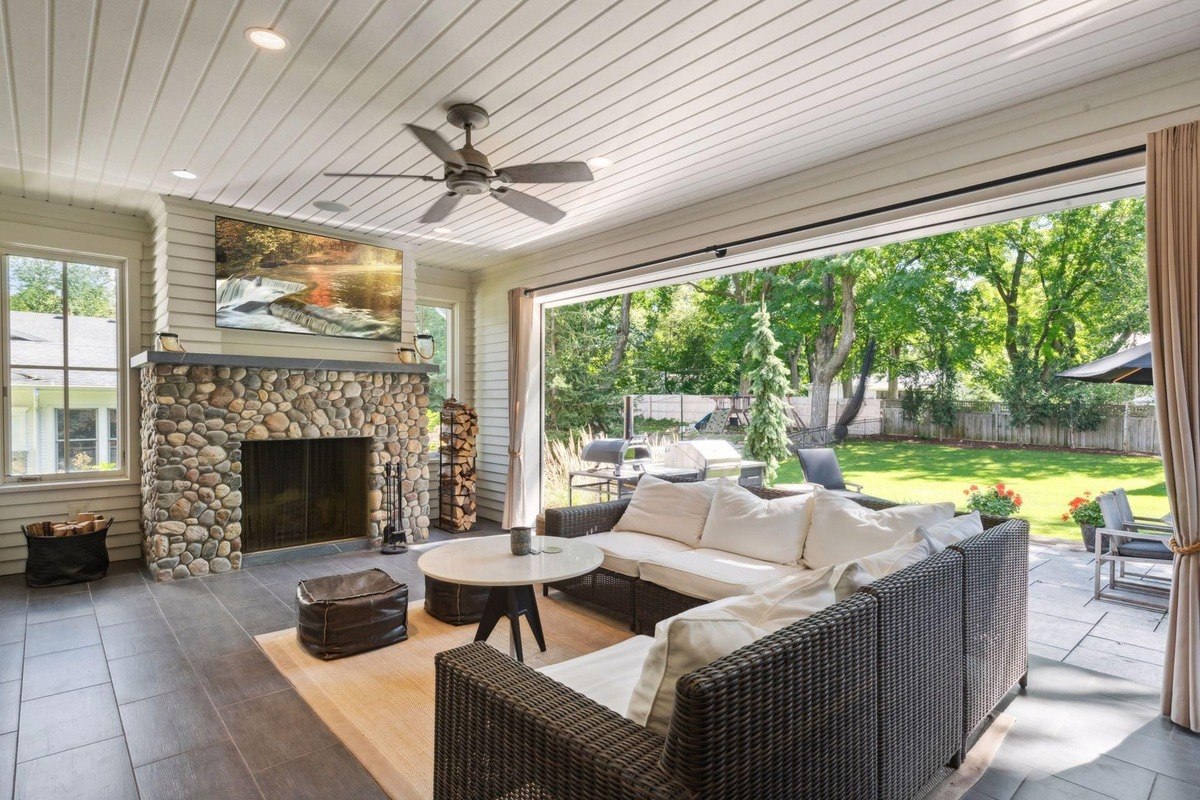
[37, 339]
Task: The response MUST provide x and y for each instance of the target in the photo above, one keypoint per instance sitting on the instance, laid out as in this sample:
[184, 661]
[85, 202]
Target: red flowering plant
[996, 501]
[1085, 511]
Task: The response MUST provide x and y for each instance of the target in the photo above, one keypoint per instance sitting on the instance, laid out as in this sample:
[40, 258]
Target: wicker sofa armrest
[995, 618]
[573, 521]
[793, 715]
[503, 730]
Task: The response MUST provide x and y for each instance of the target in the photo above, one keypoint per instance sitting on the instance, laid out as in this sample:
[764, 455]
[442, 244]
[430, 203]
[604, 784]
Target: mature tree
[36, 284]
[766, 435]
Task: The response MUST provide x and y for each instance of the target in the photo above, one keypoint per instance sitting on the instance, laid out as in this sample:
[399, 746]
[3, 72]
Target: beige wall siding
[116, 236]
[170, 285]
[1094, 118]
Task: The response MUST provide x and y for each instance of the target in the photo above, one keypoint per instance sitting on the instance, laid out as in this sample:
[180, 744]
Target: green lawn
[1046, 480]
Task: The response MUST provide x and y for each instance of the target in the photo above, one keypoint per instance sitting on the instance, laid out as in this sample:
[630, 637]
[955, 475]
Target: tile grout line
[208, 696]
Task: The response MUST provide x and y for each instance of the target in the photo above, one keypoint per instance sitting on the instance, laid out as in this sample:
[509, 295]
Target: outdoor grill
[618, 454]
[715, 458]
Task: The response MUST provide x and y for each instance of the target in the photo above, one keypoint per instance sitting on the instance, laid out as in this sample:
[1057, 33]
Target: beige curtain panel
[1173, 251]
[518, 507]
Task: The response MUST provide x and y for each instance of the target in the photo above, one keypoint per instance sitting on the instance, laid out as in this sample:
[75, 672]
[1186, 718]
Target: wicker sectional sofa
[869, 698]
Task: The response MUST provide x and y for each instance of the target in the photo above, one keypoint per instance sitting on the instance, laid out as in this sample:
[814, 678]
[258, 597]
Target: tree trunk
[818, 397]
[832, 345]
[893, 390]
[847, 387]
[794, 369]
[622, 341]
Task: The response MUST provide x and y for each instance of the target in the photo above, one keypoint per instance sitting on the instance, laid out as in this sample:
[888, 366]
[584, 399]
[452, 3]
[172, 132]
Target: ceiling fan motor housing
[468, 182]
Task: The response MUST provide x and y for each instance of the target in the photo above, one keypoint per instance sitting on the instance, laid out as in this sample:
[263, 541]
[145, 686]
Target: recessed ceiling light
[598, 163]
[183, 174]
[443, 230]
[266, 38]
[329, 205]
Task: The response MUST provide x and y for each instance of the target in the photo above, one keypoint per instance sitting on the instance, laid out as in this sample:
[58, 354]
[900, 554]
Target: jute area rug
[380, 704]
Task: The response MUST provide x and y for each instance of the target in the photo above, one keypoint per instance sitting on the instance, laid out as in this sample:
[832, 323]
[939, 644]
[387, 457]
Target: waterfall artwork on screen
[276, 279]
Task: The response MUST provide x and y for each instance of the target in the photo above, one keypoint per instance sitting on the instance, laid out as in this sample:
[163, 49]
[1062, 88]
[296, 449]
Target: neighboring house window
[62, 367]
[438, 322]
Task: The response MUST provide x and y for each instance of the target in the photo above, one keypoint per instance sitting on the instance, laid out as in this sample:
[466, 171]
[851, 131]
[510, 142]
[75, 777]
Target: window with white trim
[62, 357]
[438, 321]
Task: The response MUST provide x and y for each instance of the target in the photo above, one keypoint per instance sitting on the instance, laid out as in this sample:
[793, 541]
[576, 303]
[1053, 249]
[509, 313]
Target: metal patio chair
[1128, 538]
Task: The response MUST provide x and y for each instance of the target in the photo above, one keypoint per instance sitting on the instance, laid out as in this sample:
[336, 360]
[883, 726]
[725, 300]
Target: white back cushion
[771, 530]
[673, 510]
[683, 644]
[842, 530]
[955, 529]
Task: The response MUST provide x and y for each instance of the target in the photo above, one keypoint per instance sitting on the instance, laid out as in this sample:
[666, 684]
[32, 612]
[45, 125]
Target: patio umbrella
[1127, 366]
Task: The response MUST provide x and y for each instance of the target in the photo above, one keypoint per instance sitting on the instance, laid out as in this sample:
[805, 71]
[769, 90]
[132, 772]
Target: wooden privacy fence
[691, 408]
[1128, 428]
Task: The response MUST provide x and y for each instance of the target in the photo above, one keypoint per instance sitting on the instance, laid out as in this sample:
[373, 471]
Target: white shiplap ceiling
[100, 99]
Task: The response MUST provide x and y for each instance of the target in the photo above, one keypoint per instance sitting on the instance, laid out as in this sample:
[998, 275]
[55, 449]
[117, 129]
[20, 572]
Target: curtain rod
[719, 250]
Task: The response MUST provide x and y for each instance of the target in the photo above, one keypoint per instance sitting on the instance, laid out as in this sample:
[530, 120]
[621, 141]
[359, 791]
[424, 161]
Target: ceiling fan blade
[440, 147]
[548, 172]
[428, 178]
[441, 207]
[529, 205]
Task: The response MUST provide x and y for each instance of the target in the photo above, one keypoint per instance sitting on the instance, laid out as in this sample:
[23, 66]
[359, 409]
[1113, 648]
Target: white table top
[488, 561]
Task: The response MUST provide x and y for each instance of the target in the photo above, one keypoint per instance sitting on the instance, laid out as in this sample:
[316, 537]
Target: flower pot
[1089, 537]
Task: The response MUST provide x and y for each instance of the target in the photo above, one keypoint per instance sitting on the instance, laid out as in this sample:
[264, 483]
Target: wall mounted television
[286, 281]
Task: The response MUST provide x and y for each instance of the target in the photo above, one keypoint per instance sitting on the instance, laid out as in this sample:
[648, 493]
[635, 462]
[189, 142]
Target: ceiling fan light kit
[467, 171]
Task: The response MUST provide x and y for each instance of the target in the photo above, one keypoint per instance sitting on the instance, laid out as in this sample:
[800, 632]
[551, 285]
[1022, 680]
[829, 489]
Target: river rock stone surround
[195, 418]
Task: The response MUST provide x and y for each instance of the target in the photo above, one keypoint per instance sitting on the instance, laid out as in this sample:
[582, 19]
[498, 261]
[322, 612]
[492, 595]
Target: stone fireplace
[199, 411]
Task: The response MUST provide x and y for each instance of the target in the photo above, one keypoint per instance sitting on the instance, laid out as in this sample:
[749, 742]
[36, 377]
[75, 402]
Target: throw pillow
[908, 551]
[683, 644]
[842, 530]
[770, 530]
[672, 510]
[796, 597]
[955, 529]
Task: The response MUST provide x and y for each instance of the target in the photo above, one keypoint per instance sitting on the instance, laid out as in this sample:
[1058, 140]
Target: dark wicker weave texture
[920, 672]
[996, 613]
[791, 716]
[503, 730]
[654, 603]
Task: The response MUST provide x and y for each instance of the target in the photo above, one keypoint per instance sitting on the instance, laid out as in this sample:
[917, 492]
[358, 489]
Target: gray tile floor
[1084, 735]
[125, 689]
[1066, 624]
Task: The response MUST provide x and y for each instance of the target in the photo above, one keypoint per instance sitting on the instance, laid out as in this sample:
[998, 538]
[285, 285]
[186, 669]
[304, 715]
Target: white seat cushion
[671, 510]
[771, 530]
[842, 530]
[606, 676]
[681, 645]
[712, 574]
[623, 550]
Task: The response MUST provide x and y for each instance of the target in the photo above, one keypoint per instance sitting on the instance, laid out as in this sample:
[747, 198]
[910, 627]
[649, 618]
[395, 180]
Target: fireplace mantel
[274, 362]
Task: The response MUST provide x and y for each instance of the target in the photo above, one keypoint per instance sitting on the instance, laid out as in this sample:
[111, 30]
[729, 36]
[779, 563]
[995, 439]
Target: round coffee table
[488, 561]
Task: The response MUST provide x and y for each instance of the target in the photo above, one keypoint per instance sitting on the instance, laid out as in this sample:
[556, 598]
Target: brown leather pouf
[453, 602]
[341, 615]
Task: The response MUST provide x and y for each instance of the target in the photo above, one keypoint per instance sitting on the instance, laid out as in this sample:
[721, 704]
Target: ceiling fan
[468, 171]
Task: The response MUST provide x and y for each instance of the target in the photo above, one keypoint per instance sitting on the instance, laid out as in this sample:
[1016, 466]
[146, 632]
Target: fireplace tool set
[395, 537]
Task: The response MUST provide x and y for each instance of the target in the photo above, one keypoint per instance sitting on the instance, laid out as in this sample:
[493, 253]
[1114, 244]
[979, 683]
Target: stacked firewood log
[84, 523]
[460, 432]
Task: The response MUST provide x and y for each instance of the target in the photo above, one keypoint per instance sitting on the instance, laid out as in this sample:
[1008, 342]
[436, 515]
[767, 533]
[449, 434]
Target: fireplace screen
[299, 492]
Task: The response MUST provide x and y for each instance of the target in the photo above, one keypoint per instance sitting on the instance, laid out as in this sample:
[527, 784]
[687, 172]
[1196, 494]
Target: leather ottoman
[341, 615]
[453, 602]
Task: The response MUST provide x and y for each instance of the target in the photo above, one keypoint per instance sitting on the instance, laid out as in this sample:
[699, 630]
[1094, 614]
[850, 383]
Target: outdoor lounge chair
[820, 466]
[1125, 538]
